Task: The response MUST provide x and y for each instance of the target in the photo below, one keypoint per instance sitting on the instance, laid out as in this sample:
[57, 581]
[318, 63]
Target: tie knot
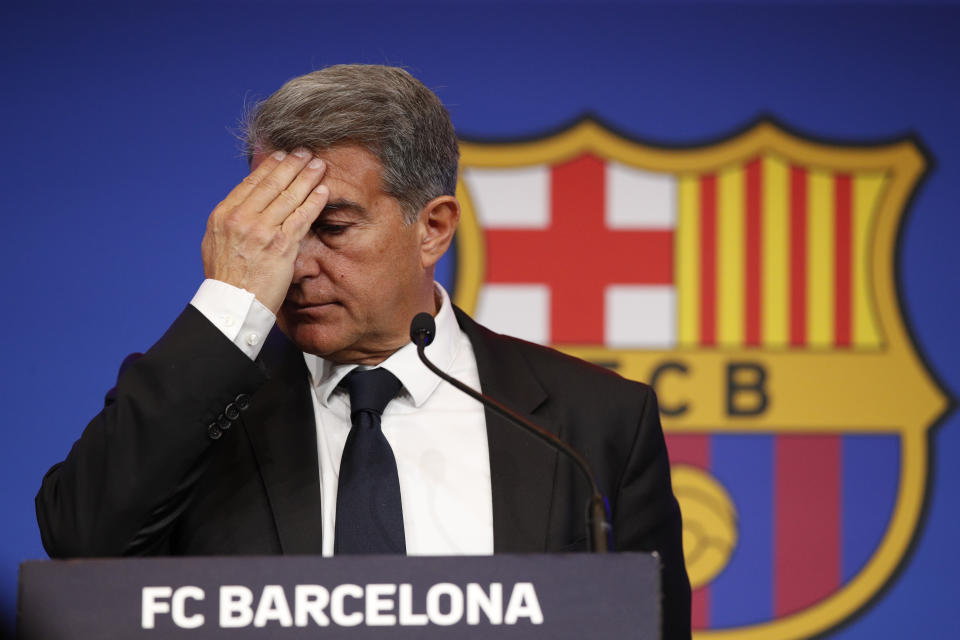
[371, 390]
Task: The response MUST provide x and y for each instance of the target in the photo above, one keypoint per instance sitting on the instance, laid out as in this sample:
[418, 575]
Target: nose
[307, 264]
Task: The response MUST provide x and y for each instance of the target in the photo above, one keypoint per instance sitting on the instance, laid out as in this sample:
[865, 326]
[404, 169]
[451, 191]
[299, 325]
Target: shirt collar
[418, 381]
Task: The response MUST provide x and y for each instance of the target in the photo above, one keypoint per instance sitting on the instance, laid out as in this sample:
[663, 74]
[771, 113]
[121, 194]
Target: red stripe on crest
[807, 531]
[844, 250]
[754, 253]
[798, 256]
[700, 608]
[708, 260]
[693, 450]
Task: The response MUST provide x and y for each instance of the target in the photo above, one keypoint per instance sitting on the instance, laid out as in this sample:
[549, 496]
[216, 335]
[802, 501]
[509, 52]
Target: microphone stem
[597, 526]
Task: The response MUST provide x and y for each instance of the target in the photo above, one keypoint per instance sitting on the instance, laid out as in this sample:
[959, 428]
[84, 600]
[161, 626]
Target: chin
[312, 338]
[319, 346]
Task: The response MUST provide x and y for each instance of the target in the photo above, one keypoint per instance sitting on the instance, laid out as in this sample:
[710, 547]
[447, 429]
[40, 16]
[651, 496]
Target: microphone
[423, 329]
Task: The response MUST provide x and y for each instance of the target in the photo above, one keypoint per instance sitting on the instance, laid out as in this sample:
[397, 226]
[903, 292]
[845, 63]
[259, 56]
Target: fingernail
[278, 155]
[301, 153]
[316, 163]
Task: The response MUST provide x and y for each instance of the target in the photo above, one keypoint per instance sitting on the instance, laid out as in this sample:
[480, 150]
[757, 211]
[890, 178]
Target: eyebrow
[341, 204]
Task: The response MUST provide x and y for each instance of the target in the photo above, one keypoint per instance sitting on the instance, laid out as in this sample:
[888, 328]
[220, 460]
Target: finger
[288, 200]
[242, 190]
[273, 183]
[297, 224]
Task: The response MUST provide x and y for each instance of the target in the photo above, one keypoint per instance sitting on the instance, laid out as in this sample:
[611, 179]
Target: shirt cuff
[236, 313]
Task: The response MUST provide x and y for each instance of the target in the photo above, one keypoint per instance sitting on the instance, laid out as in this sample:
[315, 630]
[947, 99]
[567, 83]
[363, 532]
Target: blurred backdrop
[751, 206]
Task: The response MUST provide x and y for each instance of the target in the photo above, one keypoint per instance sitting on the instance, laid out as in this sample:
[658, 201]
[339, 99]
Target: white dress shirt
[438, 434]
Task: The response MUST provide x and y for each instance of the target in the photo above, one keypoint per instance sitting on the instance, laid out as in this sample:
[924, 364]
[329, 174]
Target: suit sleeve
[646, 517]
[132, 472]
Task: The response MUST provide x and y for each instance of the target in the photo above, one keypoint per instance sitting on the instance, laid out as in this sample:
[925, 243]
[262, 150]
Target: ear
[439, 220]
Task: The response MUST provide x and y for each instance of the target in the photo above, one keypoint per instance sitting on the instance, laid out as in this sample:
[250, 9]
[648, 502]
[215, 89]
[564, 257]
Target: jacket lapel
[281, 425]
[521, 466]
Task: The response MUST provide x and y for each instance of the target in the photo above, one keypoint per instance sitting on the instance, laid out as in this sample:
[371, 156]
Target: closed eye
[338, 216]
[329, 229]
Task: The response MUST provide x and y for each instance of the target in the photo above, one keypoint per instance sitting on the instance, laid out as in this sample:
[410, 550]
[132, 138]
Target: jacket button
[214, 431]
[231, 411]
[242, 401]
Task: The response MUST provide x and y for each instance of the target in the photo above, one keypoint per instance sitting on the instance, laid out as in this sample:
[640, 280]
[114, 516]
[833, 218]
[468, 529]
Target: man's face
[359, 277]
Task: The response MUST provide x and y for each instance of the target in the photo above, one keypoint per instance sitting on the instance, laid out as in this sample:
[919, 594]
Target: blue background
[117, 142]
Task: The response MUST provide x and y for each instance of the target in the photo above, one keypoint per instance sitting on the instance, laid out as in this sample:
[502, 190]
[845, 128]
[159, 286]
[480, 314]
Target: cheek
[388, 256]
[404, 245]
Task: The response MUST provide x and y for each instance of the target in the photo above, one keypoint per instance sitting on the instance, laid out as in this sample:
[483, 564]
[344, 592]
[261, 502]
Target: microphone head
[422, 329]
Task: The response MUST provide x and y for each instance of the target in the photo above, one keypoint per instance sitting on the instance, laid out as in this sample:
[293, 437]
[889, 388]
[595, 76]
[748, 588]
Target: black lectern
[509, 596]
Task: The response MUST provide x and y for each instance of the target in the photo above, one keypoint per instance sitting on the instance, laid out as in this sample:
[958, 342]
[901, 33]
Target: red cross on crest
[578, 255]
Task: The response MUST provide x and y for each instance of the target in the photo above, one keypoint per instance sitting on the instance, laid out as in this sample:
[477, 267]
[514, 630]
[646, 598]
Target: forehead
[349, 168]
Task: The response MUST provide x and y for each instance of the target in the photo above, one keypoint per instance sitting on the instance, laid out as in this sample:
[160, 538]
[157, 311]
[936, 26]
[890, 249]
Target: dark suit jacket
[146, 477]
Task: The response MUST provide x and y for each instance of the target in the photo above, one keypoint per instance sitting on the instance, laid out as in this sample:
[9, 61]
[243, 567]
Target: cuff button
[214, 431]
[231, 411]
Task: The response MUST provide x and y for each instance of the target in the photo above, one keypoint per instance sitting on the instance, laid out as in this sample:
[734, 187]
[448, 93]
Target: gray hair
[383, 109]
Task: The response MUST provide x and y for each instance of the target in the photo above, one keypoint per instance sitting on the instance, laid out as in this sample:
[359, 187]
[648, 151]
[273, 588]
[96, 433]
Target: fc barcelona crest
[753, 283]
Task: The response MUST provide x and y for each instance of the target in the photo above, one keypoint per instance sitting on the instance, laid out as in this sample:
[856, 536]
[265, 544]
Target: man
[222, 440]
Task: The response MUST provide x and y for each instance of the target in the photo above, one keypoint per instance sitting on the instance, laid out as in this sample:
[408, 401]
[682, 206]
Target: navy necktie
[369, 513]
